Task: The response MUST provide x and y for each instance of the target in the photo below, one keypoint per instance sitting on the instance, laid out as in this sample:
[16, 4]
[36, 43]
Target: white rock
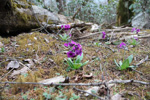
[142, 20]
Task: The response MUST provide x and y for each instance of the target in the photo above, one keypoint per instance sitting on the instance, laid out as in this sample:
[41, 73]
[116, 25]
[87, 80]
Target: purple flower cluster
[122, 45]
[66, 27]
[76, 49]
[137, 30]
[104, 35]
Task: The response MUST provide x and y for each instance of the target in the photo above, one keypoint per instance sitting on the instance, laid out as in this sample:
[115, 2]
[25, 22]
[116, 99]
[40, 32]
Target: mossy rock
[16, 16]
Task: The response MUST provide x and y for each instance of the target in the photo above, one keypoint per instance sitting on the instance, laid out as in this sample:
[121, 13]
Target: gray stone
[41, 12]
[141, 20]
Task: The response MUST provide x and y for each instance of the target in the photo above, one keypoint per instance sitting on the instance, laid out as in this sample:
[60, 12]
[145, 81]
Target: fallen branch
[128, 81]
[72, 25]
[142, 61]
[81, 84]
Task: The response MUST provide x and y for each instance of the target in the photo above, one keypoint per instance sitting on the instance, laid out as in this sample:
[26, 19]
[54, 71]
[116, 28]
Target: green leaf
[70, 63]
[79, 58]
[85, 63]
[60, 36]
[75, 96]
[130, 58]
[117, 42]
[64, 37]
[93, 91]
[116, 63]
[77, 65]
[45, 94]
[71, 98]
[125, 65]
[132, 66]
[120, 63]
[68, 69]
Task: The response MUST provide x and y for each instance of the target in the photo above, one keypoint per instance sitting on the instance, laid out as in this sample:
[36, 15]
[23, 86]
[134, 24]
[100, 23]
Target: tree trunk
[123, 12]
[60, 6]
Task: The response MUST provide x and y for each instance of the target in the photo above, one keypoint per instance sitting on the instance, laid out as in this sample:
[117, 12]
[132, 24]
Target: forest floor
[45, 56]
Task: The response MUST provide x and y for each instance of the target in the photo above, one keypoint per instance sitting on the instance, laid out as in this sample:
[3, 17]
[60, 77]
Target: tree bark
[123, 12]
[60, 6]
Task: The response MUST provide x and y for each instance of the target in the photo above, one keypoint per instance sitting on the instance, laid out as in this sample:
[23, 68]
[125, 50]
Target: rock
[41, 13]
[19, 17]
[142, 20]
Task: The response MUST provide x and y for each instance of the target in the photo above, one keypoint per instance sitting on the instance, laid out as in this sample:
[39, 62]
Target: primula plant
[133, 41]
[135, 30]
[65, 37]
[123, 46]
[76, 54]
[125, 64]
[65, 27]
[104, 35]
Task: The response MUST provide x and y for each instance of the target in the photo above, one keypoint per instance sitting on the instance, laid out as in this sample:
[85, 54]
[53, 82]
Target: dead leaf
[117, 97]
[53, 80]
[23, 70]
[13, 64]
[30, 61]
[46, 40]
[1, 44]
[35, 38]
[101, 90]
[93, 89]
[88, 76]
[80, 76]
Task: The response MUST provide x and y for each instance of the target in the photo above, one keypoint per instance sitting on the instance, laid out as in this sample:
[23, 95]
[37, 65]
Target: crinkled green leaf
[132, 66]
[85, 63]
[130, 58]
[116, 63]
[79, 58]
[70, 63]
[125, 65]
[77, 65]
[120, 63]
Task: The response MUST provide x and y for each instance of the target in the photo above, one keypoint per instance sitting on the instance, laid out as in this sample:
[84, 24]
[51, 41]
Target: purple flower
[72, 43]
[71, 54]
[67, 27]
[76, 47]
[137, 31]
[62, 26]
[104, 35]
[135, 38]
[122, 45]
[79, 52]
[66, 44]
[133, 29]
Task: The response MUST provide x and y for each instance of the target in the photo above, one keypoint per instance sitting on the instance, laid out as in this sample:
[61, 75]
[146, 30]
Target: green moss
[50, 22]
[25, 18]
